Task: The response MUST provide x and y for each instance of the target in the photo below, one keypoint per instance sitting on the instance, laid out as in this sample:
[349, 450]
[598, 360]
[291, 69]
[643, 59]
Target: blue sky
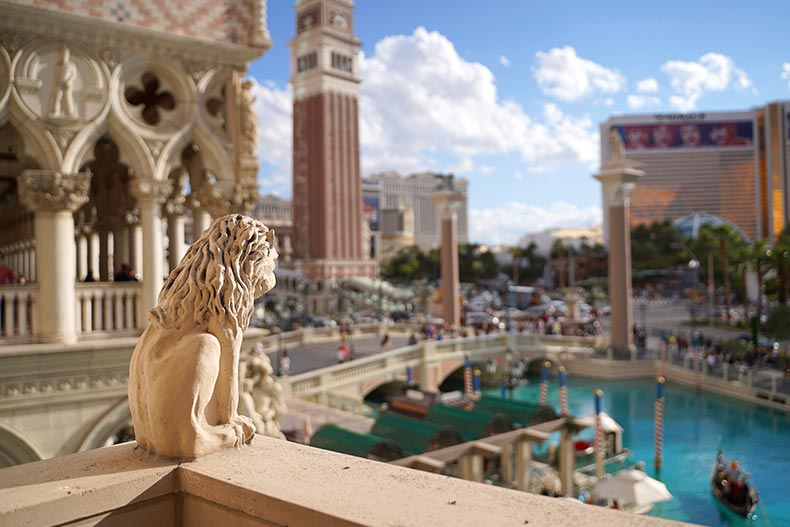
[509, 94]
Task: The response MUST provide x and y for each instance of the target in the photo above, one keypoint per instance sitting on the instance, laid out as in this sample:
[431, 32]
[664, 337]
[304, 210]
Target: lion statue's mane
[183, 376]
[217, 276]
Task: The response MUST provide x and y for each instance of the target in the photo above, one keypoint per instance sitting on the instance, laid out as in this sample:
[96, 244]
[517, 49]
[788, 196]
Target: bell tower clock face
[308, 19]
[339, 21]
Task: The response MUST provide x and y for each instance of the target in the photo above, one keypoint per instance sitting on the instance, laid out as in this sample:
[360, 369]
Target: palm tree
[782, 262]
[759, 256]
[728, 238]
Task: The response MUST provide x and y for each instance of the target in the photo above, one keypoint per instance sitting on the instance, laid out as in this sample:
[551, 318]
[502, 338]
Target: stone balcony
[270, 483]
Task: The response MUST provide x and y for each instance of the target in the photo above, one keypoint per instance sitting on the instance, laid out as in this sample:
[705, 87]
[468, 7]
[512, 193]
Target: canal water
[694, 427]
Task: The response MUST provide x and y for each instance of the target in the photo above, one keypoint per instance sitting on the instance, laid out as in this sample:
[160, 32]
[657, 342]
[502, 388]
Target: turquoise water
[694, 426]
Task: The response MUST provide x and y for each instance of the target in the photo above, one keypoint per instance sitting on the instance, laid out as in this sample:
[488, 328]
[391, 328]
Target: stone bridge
[431, 361]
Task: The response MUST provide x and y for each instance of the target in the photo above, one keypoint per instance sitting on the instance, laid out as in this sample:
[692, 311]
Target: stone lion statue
[183, 377]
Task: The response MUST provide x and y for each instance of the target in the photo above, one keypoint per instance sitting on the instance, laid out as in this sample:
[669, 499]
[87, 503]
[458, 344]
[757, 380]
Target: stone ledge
[271, 483]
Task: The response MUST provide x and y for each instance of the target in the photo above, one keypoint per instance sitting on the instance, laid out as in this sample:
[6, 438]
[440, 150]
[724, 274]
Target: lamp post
[694, 267]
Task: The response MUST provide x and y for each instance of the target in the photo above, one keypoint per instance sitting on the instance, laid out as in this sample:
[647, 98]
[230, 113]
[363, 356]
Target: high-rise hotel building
[734, 165]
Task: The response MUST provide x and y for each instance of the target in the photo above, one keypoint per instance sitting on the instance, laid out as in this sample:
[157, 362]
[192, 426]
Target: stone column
[447, 202]
[176, 247]
[82, 256]
[136, 239]
[150, 195]
[121, 245]
[93, 254]
[53, 197]
[617, 181]
[104, 270]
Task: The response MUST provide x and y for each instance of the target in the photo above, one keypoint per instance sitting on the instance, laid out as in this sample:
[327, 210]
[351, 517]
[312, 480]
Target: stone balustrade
[271, 482]
[18, 305]
[108, 307]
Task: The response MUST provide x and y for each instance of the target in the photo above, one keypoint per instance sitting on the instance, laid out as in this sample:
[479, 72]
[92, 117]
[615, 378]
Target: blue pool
[694, 425]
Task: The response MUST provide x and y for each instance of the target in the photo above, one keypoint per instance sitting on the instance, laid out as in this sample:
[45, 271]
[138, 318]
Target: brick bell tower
[328, 237]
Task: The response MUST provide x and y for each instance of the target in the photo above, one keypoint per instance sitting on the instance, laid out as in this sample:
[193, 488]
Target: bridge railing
[310, 334]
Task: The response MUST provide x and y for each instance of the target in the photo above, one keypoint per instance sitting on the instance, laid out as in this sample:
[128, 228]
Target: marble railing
[107, 307]
[18, 311]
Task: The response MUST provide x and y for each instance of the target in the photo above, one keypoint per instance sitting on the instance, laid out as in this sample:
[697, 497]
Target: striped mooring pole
[476, 384]
[544, 382]
[659, 418]
[563, 393]
[468, 391]
[598, 435]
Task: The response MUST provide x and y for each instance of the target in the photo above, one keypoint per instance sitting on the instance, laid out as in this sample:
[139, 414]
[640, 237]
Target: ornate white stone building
[119, 121]
[115, 118]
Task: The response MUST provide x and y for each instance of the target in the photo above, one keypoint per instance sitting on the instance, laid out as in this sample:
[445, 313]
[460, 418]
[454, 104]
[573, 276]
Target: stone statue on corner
[183, 377]
[65, 73]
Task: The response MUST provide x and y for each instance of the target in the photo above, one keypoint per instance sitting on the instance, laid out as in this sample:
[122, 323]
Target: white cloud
[561, 73]
[648, 85]
[518, 175]
[274, 106]
[712, 72]
[418, 96]
[504, 61]
[641, 101]
[509, 222]
[786, 73]
[423, 107]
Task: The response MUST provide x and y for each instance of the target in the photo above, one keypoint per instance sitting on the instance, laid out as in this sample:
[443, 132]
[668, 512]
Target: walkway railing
[18, 311]
[104, 307]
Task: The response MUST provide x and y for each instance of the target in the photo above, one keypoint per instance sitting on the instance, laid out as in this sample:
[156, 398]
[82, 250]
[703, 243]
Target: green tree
[729, 242]
[653, 247]
[782, 263]
[759, 257]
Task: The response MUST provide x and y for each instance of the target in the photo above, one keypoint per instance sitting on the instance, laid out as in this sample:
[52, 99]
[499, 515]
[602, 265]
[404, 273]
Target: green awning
[338, 439]
[521, 413]
[473, 424]
[415, 435]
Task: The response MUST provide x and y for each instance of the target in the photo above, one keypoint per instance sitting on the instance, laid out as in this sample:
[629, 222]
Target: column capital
[447, 201]
[151, 190]
[244, 197]
[617, 183]
[210, 198]
[175, 206]
[53, 191]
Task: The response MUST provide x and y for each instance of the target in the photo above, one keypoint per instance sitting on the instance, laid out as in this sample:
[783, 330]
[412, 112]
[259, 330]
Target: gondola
[730, 486]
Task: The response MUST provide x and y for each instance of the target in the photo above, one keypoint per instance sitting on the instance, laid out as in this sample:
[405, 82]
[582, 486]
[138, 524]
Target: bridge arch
[535, 365]
[15, 448]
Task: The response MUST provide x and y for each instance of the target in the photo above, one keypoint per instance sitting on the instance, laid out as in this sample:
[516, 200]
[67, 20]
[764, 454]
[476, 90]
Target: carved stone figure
[446, 182]
[246, 402]
[183, 377]
[65, 73]
[249, 121]
[267, 396]
[616, 147]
